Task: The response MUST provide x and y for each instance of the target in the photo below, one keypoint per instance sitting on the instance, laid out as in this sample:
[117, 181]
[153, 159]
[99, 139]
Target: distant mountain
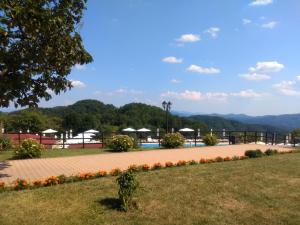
[286, 121]
[219, 123]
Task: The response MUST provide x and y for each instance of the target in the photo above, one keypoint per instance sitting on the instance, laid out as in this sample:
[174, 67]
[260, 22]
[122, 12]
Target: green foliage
[173, 140]
[254, 153]
[271, 152]
[127, 187]
[28, 149]
[39, 44]
[296, 133]
[210, 140]
[5, 143]
[120, 143]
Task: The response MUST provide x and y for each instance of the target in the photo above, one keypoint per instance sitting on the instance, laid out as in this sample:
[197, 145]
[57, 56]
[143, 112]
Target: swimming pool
[156, 145]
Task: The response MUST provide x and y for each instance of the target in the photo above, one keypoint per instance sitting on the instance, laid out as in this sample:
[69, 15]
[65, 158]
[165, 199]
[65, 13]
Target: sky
[204, 56]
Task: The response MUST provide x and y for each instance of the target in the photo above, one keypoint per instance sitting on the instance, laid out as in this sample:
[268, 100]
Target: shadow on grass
[4, 165]
[111, 203]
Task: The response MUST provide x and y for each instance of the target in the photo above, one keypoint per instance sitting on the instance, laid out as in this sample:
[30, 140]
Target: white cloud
[265, 67]
[172, 59]
[261, 2]
[78, 84]
[221, 96]
[255, 76]
[186, 95]
[269, 25]
[189, 38]
[298, 78]
[175, 81]
[246, 21]
[204, 70]
[247, 94]
[213, 31]
[287, 88]
[118, 92]
[80, 67]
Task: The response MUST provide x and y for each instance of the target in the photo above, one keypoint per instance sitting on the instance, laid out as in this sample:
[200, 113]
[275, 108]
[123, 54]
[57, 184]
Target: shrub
[244, 157]
[85, 176]
[62, 179]
[102, 173]
[181, 163]
[234, 158]
[173, 140]
[192, 162]
[210, 140]
[20, 184]
[2, 185]
[156, 166]
[219, 159]
[37, 183]
[5, 143]
[121, 143]
[202, 161]
[115, 172]
[227, 158]
[127, 187]
[51, 181]
[254, 153]
[271, 152]
[133, 168]
[28, 149]
[145, 167]
[169, 164]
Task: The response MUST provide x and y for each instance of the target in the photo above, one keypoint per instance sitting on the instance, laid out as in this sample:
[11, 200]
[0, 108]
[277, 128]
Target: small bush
[51, 181]
[181, 163]
[2, 185]
[133, 168]
[20, 184]
[169, 164]
[173, 140]
[102, 173]
[210, 140]
[37, 183]
[28, 149]
[193, 162]
[234, 158]
[115, 172]
[127, 187]
[254, 153]
[202, 161]
[121, 143]
[227, 158]
[271, 152]
[145, 167]
[157, 166]
[219, 159]
[5, 143]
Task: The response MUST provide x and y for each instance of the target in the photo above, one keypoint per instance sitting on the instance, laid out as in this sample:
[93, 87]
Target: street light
[167, 107]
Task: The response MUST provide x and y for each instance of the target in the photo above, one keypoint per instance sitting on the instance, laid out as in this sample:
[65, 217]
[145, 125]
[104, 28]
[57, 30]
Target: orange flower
[145, 167]
[181, 163]
[169, 164]
[202, 161]
[156, 166]
[2, 184]
[115, 172]
[102, 173]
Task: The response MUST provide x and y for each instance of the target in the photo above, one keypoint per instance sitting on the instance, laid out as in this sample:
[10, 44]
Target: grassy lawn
[257, 191]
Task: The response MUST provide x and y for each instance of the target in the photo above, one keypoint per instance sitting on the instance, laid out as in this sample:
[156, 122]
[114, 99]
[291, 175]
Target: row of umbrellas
[129, 129]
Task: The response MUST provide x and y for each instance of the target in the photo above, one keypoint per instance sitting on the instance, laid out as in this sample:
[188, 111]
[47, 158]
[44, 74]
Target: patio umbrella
[143, 130]
[129, 129]
[49, 131]
[186, 130]
[92, 131]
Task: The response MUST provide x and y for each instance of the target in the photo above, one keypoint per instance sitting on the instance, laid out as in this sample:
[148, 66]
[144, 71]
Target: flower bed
[21, 184]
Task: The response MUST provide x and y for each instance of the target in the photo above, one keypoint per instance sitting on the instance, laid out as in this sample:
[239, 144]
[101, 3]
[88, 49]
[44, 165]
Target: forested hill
[87, 114]
[220, 123]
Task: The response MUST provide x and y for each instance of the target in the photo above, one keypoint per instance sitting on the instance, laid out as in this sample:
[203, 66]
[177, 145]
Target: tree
[39, 44]
[296, 132]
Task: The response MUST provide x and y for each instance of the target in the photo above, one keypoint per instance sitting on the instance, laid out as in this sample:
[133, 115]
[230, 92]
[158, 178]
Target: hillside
[286, 121]
[87, 114]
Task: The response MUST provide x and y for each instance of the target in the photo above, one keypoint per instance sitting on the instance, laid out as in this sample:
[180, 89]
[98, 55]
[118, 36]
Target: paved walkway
[42, 168]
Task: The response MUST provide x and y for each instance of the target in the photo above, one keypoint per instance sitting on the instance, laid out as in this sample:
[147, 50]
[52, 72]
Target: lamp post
[167, 107]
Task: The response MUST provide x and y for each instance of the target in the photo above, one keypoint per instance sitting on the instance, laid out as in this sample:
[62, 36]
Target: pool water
[156, 145]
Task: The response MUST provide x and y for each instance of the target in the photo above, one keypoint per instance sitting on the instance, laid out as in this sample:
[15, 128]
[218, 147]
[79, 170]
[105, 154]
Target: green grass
[260, 191]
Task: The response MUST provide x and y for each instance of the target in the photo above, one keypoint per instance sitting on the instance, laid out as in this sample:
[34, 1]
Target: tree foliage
[39, 44]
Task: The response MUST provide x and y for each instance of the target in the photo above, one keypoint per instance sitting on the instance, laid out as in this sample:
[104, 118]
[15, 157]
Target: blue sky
[205, 56]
